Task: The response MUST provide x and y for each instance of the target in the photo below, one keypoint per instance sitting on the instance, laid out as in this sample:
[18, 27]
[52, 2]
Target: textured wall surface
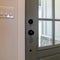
[9, 33]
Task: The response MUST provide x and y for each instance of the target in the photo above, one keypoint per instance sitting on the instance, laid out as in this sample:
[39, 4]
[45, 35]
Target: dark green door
[42, 31]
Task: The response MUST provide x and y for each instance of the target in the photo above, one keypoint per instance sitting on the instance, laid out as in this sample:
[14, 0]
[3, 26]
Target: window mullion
[53, 22]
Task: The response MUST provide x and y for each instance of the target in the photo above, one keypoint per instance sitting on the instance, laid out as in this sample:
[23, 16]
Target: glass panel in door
[45, 9]
[57, 32]
[57, 9]
[45, 33]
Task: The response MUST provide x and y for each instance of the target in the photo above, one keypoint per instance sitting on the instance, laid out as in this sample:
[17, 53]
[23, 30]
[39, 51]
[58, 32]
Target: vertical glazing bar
[53, 22]
[42, 27]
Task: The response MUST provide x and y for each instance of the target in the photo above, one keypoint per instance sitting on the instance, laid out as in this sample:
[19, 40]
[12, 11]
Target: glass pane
[45, 9]
[45, 33]
[57, 9]
[57, 32]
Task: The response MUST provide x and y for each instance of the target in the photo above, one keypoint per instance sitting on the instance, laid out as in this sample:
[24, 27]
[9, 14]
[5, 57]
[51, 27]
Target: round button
[31, 32]
[30, 21]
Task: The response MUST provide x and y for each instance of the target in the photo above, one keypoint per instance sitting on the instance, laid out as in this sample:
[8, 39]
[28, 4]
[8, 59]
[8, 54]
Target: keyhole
[30, 21]
[31, 32]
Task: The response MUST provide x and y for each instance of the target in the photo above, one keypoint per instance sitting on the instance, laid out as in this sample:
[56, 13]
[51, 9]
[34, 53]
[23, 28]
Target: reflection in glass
[45, 33]
[57, 9]
[57, 32]
[45, 9]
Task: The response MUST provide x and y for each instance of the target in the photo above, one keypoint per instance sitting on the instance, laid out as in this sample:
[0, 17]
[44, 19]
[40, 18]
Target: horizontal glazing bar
[43, 19]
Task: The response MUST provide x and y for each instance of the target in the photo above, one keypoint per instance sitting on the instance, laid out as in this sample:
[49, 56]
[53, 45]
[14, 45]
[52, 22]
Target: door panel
[54, 57]
[41, 30]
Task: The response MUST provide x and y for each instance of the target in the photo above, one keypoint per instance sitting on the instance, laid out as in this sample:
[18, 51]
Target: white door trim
[21, 29]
